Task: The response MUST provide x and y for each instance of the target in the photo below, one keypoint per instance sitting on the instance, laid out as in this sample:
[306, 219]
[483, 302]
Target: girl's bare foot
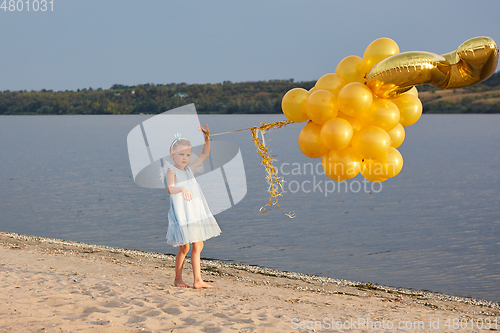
[202, 284]
[180, 283]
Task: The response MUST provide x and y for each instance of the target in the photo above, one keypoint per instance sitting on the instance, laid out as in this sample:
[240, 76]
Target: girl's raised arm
[206, 148]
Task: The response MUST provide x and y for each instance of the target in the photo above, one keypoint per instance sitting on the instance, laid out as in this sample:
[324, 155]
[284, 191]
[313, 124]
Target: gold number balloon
[474, 61]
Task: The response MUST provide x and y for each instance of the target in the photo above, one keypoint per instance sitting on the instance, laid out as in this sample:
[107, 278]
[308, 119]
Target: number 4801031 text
[27, 5]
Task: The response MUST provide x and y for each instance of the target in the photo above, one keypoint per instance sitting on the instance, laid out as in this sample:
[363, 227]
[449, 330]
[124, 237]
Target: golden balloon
[386, 166]
[310, 141]
[410, 109]
[350, 69]
[377, 51]
[474, 61]
[369, 174]
[322, 106]
[294, 105]
[355, 99]
[382, 113]
[355, 122]
[331, 82]
[336, 133]
[413, 91]
[397, 135]
[341, 164]
[371, 142]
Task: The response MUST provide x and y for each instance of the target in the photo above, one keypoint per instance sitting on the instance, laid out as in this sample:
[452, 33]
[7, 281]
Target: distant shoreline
[259, 97]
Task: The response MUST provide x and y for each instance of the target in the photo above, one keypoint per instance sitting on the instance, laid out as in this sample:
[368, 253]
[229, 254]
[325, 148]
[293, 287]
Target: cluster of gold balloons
[357, 115]
[348, 126]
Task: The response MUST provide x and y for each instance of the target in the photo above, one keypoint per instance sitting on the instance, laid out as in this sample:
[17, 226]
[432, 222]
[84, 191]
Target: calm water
[436, 226]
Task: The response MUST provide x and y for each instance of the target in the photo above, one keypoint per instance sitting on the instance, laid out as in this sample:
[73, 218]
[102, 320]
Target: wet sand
[50, 285]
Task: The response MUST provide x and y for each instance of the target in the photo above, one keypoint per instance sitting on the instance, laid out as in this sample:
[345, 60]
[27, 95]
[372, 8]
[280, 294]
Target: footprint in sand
[172, 311]
[189, 321]
[153, 313]
[104, 289]
[114, 303]
[211, 329]
[137, 303]
[92, 309]
[136, 319]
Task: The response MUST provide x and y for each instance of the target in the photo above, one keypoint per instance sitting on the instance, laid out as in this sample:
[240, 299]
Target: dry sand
[51, 285]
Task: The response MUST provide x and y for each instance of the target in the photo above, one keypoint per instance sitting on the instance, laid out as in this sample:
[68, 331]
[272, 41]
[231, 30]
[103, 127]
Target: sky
[89, 43]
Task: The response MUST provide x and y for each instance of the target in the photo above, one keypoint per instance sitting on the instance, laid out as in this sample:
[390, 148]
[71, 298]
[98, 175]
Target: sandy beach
[50, 285]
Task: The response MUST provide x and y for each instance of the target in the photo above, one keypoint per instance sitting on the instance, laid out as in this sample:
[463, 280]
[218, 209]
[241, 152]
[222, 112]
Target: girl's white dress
[189, 221]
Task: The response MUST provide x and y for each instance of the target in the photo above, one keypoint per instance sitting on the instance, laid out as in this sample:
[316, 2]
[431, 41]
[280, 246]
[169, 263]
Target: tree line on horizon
[260, 97]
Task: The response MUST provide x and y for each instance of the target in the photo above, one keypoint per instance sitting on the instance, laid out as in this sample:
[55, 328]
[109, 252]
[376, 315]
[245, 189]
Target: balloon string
[275, 181]
[263, 126]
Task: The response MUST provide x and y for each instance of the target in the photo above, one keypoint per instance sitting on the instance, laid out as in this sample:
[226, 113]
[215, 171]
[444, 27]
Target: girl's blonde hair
[179, 142]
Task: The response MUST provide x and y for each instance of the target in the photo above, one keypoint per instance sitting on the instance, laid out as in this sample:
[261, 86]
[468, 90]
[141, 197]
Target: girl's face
[181, 156]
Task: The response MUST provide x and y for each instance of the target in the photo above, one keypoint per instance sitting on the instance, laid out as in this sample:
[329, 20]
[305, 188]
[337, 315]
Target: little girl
[189, 218]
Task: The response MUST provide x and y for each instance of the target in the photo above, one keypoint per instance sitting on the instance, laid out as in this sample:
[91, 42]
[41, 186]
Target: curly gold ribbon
[474, 61]
[275, 181]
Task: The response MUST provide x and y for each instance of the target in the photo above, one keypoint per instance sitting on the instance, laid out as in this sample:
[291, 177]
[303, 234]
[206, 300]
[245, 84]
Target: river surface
[435, 226]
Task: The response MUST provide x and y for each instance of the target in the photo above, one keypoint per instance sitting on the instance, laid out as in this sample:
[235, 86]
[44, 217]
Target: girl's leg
[179, 264]
[195, 262]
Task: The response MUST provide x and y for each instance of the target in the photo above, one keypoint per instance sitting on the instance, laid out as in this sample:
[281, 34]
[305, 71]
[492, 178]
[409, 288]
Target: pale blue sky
[96, 44]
